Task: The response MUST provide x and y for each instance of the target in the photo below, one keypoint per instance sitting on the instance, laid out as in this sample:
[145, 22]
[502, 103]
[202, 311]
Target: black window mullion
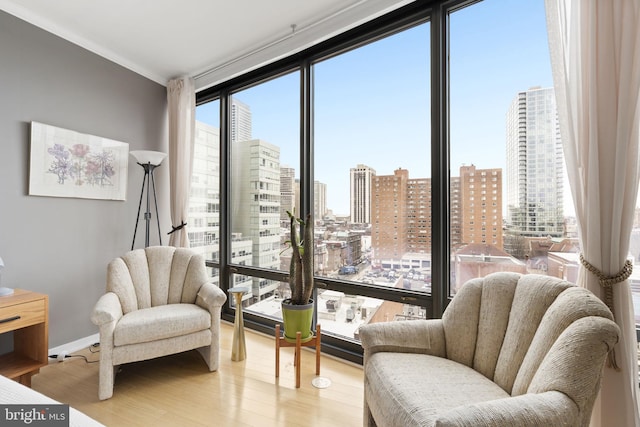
[306, 135]
[225, 197]
[439, 165]
[306, 149]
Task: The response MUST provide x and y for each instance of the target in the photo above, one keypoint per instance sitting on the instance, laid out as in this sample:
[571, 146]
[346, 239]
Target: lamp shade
[144, 156]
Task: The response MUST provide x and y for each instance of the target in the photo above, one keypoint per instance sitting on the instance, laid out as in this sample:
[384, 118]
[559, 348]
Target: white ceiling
[210, 40]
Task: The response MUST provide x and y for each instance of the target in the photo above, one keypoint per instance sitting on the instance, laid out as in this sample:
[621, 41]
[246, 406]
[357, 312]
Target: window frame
[434, 12]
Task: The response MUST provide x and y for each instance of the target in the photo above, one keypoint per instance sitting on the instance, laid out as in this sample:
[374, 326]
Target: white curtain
[595, 56]
[182, 108]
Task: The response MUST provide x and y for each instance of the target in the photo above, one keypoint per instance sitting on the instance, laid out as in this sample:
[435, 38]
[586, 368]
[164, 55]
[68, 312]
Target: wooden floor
[180, 391]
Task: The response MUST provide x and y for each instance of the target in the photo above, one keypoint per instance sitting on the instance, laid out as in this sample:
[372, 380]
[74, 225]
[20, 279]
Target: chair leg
[210, 355]
[367, 417]
[106, 381]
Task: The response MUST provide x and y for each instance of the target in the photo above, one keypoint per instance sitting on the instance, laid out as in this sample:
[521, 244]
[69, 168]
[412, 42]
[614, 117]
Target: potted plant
[297, 311]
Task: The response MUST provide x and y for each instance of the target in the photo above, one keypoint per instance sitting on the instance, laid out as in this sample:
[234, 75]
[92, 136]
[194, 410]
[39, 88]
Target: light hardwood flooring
[179, 390]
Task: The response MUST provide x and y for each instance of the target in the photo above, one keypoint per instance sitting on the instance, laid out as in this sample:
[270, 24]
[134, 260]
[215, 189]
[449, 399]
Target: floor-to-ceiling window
[372, 158]
[264, 171]
[507, 198]
[425, 146]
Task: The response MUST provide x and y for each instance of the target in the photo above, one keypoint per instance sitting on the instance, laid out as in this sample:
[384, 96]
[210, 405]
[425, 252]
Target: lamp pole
[148, 178]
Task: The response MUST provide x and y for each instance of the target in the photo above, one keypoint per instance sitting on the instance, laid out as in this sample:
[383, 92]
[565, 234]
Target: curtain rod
[294, 30]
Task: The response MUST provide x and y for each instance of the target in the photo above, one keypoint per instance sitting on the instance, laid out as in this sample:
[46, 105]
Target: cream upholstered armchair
[159, 301]
[510, 350]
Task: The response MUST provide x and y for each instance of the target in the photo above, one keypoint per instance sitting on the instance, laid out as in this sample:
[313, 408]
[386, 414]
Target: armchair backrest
[521, 330]
[157, 275]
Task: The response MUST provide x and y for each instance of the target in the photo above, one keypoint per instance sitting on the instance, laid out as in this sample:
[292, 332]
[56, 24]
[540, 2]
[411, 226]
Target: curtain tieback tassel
[179, 227]
[607, 282]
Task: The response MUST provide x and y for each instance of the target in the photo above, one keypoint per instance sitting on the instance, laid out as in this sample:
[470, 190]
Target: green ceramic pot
[297, 318]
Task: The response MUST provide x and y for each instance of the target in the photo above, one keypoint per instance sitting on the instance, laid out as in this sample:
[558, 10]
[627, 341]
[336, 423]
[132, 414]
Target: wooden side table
[282, 342]
[25, 313]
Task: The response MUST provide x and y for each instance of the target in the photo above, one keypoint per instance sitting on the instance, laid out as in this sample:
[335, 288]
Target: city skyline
[477, 110]
[372, 107]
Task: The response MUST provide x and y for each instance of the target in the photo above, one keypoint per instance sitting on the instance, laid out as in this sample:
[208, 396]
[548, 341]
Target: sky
[371, 105]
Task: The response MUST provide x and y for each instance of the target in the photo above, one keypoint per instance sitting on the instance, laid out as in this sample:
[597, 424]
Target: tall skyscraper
[203, 222]
[240, 121]
[480, 205]
[287, 193]
[256, 206]
[204, 201]
[534, 166]
[455, 213]
[290, 192]
[419, 215]
[389, 215]
[319, 200]
[400, 215]
[360, 197]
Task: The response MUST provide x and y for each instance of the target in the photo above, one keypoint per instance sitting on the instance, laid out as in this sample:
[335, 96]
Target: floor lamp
[149, 160]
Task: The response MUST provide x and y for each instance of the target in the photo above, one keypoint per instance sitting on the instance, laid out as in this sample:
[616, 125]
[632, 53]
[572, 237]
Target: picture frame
[65, 163]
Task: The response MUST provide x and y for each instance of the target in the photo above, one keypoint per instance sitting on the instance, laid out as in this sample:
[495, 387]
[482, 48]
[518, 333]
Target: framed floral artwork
[65, 163]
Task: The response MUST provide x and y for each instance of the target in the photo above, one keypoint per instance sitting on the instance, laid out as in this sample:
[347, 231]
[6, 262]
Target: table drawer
[20, 315]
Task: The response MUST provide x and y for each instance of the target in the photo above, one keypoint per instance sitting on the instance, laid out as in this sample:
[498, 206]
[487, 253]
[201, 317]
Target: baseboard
[74, 346]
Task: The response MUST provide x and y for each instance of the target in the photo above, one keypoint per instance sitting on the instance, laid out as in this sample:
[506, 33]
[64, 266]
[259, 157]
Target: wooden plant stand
[282, 342]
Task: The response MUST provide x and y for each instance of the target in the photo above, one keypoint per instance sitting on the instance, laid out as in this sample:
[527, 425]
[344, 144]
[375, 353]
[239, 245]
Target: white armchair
[158, 302]
[510, 350]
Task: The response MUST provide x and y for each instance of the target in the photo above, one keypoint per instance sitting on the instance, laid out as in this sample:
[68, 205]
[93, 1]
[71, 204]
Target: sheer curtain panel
[595, 57]
[181, 100]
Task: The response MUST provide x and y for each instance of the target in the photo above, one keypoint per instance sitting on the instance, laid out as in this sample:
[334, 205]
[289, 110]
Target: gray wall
[61, 246]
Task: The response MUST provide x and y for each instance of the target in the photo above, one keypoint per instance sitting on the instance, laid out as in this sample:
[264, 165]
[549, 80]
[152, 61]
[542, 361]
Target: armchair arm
[107, 309]
[210, 296]
[551, 408]
[414, 336]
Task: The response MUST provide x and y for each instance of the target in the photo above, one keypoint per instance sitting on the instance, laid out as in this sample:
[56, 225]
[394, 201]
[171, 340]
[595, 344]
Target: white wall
[61, 246]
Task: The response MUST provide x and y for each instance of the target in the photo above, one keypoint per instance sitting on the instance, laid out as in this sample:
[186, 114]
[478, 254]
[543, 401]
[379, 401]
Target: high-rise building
[419, 215]
[455, 214]
[480, 206]
[297, 198]
[203, 221]
[319, 200]
[287, 193]
[400, 215]
[534, 166]
[240, 121]
[290, 191]
[389, 215]
[256, 206]
[401, 212]
[360, 197]
[204, 200]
